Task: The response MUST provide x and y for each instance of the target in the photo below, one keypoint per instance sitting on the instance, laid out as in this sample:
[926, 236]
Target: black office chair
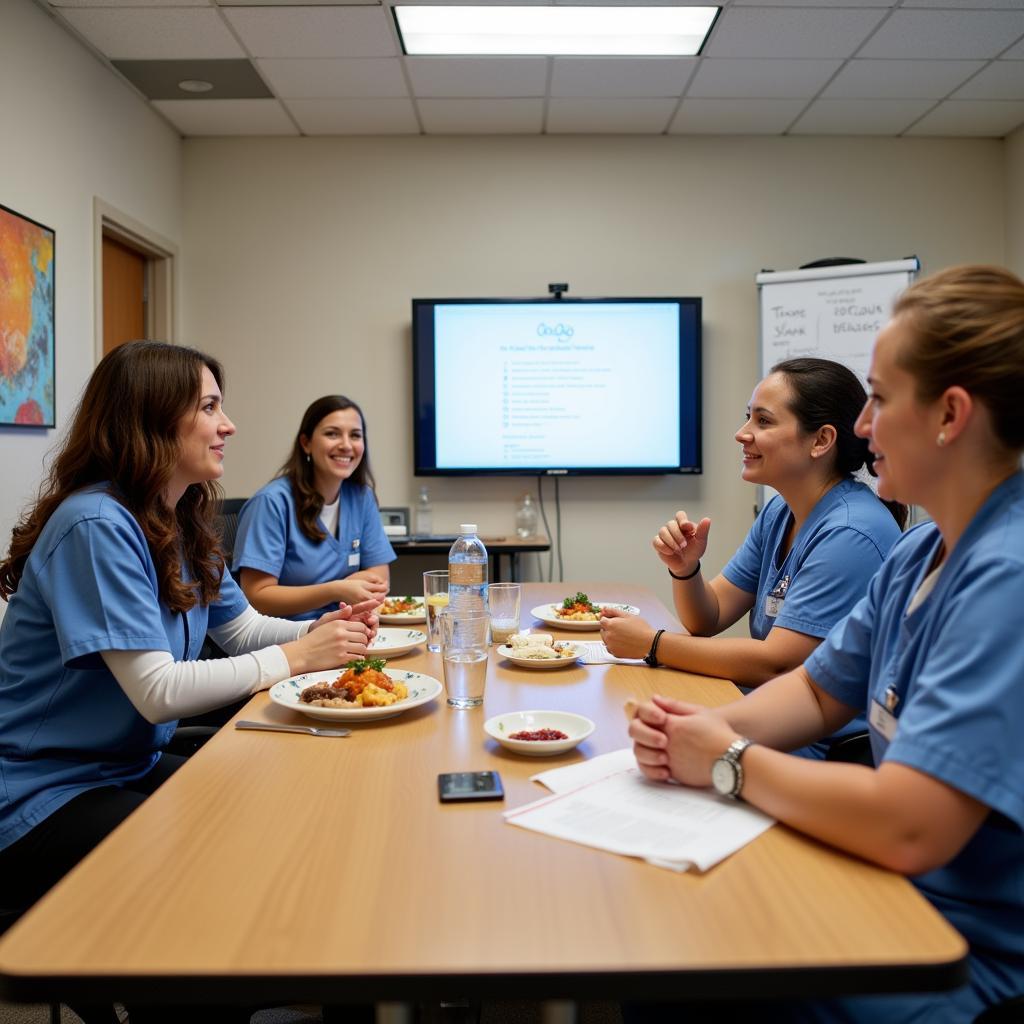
[1009, 1012]
[852, 749]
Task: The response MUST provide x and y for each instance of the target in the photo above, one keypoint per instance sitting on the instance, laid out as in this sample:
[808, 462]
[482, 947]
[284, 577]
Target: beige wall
[303, 256]
[1014, 153]
[70, 131]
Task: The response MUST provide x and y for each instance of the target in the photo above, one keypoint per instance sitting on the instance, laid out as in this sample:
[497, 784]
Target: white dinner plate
[510, 654]
[418, 614]
[390, 643]
[501, 727]
[422, 690]
[546, 614]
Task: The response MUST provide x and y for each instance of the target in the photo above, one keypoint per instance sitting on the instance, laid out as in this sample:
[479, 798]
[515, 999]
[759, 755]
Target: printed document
[606, 803]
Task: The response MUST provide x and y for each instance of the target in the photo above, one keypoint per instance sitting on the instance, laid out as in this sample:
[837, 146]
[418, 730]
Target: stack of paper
[594, 652]
[606, 803]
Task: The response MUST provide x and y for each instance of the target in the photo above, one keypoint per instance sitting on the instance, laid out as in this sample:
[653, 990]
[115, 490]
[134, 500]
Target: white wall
[303, 255]
[71, 130]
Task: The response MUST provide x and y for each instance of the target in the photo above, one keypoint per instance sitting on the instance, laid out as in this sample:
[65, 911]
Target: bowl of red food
[538, 733]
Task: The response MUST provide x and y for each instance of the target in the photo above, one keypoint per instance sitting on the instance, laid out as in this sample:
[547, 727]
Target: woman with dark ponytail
[808, 557]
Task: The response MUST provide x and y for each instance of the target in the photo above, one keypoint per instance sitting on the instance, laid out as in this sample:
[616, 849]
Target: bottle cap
[467, 528]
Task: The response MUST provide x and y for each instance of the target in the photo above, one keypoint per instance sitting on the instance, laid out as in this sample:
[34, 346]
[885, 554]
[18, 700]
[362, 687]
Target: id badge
[883, 720]
[353, 560]
[773, 605]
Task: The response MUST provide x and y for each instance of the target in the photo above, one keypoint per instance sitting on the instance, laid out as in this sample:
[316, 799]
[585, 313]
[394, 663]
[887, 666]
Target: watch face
[723, 776]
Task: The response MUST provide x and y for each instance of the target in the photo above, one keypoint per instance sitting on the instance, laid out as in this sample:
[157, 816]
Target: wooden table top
[289, 867]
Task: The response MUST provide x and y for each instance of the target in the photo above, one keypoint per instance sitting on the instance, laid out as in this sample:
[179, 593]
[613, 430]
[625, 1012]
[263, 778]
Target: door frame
[161, 272]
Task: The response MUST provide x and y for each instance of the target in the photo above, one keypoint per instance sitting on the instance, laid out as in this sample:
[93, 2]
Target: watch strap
[736, 750]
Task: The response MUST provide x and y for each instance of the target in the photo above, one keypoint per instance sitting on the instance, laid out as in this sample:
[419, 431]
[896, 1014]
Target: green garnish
[360, 666]
[579, 598]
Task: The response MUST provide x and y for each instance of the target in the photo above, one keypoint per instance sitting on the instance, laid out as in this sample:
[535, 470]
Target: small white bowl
[501, 727]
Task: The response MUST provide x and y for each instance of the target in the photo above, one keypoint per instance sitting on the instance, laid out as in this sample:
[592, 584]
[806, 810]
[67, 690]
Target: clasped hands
[676, 740]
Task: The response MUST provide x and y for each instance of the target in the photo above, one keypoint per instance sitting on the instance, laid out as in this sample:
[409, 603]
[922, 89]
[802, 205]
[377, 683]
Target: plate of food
[538, 733]
[577, 612]
[390, 643]
[401, 611]
[361, 691]
[539, 650]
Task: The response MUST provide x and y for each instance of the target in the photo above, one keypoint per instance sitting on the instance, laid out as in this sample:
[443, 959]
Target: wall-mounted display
[26, 321]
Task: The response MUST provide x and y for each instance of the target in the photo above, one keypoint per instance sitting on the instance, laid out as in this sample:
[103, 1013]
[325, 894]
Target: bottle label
[469, 574]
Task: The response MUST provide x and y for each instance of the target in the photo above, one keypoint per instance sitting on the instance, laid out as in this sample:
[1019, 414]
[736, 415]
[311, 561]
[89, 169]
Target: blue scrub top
[66, 726]
[270, 540]
[825, 573]
[956, 669]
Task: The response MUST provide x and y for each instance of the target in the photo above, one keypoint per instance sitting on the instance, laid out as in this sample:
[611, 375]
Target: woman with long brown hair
[313, 537]
[113, 579]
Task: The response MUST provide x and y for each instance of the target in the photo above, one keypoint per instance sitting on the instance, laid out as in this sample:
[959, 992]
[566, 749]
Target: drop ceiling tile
[334, 77]
[482, 117]
[900, 79]
[726, 78]
[167, 33]
[296, 3]
[1008, 4]
[860, 117]
[791, 32]
[814, 3]
[230, 79]
[603, 116]
[355, 116]
[1001, 80]
[227, 117]
[735, 117]
[1015, 52]
[130, 3]
[621, 76]
[480, 77]
[986, 118]
[953, 35]
[314, 31]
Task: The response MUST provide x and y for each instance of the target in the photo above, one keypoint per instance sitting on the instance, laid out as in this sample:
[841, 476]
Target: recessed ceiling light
[195, 85]
[551, 31]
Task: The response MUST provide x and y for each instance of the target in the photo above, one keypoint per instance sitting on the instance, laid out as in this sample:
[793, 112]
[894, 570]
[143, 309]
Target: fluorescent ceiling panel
[554, 31]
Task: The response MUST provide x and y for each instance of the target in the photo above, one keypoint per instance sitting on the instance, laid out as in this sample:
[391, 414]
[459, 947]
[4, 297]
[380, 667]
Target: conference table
[290, 868]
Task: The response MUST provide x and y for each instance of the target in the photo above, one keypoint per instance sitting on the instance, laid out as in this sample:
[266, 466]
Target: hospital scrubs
[825, 572]
[950, 678]
[66, 726]
[270, 540]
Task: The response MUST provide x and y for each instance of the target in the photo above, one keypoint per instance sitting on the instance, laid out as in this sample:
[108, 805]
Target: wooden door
[124, 294]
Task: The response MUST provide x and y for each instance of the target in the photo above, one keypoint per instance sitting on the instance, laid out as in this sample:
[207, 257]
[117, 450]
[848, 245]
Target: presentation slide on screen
[547, 386]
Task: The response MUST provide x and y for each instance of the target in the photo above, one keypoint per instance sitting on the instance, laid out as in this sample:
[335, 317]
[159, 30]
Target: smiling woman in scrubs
[808, 557]
[113, 578]
[313, 536]
[933, 653]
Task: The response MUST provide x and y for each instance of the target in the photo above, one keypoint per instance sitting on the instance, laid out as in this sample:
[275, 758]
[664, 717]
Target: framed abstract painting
[26, 321]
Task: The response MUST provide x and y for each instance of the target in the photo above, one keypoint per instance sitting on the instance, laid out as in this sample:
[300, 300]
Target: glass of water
[435, 600]
[504, 600]
[464, 656]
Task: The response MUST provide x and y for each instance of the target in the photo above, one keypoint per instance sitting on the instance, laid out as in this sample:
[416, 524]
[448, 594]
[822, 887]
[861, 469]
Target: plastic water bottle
[424, 516]
[467, 572]
[526, 517]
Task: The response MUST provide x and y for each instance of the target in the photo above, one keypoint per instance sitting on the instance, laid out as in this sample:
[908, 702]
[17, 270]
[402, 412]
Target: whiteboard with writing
[829, 312]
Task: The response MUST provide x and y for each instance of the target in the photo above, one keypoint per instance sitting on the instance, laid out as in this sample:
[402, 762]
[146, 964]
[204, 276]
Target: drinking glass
[464, 656]
[435, 600]
[504, 600]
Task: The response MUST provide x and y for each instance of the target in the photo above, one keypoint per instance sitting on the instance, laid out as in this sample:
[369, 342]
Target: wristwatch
[727, 772]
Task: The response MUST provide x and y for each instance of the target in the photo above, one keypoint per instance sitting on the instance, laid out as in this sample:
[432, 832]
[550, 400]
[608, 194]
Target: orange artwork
[26, 321]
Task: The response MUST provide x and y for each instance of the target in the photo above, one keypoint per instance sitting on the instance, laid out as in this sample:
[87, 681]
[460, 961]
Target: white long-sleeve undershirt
[162, 689]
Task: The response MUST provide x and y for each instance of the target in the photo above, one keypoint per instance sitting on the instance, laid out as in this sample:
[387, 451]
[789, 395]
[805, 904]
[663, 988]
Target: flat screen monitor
[566, 386]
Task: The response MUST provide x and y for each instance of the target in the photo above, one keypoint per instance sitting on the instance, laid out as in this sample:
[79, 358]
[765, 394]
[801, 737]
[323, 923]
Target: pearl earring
[309, 458]
[941, 439]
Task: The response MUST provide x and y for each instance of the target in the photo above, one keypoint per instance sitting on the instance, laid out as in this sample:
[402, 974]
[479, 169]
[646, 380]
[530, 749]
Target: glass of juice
[435, 600]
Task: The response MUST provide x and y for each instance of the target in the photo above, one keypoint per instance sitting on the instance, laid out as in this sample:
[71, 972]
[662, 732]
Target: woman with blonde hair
[932, 653]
